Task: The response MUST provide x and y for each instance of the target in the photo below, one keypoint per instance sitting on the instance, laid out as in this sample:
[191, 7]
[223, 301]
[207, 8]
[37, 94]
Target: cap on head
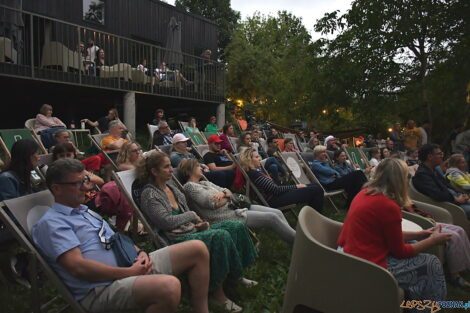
[214, 138]
[179, 138]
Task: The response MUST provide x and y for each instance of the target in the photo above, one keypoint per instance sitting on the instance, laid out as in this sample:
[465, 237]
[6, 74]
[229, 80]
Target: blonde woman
[212, 203]
[129, 156]
[278, 196]
[372, 231]
[457, 172]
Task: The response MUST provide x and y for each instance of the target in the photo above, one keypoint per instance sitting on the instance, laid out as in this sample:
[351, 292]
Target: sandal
[459, 282]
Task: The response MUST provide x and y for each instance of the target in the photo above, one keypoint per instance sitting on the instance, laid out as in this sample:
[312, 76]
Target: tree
[267, 65]
[394, 44]
[217, 10]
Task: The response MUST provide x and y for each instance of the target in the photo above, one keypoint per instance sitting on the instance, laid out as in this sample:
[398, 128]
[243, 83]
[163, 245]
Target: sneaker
[232, 306]
[248, 282]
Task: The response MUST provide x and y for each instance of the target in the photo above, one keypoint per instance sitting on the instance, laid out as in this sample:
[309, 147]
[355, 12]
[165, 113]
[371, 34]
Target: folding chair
[96, 140]
[302, 174]
[10, 136]
[294, 139]
[151, 129]
[196, 138]
[234, 143]
[27, 211]
[165, 148]
[183, 125]
[124, 181]
[249, 185]
[357, 156]
[201, 149]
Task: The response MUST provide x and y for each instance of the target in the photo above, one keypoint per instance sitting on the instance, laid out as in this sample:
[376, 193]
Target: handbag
[239, 201]
[121, 245]
[123, 249]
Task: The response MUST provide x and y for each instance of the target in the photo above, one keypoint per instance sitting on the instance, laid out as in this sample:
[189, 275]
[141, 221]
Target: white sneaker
[248, 282]
[232, 306]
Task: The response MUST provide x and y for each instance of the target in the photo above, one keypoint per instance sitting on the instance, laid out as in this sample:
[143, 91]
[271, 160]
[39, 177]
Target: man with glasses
[162, 136]
[429, 182]
[74, 240]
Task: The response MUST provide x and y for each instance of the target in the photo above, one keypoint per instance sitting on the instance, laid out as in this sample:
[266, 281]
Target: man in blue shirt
[69, 237]
[332, 180]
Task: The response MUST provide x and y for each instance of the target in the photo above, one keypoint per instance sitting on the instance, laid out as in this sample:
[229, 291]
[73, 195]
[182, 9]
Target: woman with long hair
[229, 243]
[212, 203]
[227, 131]
[129, 156]
[372, 231]
[15, 180]
[279, 196]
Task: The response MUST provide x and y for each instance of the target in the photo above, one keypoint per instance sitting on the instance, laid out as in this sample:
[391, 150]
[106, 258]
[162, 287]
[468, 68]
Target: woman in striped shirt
[276, 195]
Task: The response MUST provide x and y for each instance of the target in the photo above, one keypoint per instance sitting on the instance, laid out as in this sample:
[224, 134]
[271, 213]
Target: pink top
[44, 122]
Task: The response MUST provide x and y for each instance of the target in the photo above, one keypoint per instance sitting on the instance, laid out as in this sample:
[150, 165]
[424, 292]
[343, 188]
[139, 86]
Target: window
[93, 11]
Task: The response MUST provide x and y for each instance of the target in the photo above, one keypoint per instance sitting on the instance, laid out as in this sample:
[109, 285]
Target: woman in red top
[372, 231]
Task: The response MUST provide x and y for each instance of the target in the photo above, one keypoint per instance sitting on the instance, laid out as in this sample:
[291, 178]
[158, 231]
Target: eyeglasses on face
[85, 182]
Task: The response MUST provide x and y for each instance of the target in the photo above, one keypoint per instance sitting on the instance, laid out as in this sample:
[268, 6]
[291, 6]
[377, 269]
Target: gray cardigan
[199, 196]
[157, 208]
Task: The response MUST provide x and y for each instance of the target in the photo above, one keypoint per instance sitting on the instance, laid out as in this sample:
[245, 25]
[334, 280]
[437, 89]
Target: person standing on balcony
[91, 54]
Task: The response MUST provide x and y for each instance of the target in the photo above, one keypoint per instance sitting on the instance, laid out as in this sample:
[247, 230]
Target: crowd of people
[192, 202]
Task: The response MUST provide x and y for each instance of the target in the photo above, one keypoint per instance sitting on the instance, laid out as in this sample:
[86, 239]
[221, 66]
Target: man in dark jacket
[162, 136]
[430, 183]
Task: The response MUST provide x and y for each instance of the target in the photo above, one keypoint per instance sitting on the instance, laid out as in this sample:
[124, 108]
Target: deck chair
[96, 141]
[357, 157]
[196, 138]
[258, 196]
[10, 136]
[201, 149]
[319, 274]
[165, 148]
[27, 211]
[459, 217]
[183, 125]
[124, 181]
[233, 143]
[302, 174]
[151, 129]
[294, 139]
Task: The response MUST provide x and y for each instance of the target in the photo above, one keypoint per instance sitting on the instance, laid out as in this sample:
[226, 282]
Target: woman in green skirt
[229, 243]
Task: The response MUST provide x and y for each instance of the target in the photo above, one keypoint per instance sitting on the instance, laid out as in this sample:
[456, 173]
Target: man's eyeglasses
[85, 182]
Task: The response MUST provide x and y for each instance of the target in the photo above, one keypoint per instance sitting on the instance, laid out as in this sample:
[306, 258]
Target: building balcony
[34, 46]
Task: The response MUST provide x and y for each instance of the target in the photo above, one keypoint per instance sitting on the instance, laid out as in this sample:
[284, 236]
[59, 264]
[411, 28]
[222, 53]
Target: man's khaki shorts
[119, 296]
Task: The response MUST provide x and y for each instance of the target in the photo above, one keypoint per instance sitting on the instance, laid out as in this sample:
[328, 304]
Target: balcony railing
[43, 48]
